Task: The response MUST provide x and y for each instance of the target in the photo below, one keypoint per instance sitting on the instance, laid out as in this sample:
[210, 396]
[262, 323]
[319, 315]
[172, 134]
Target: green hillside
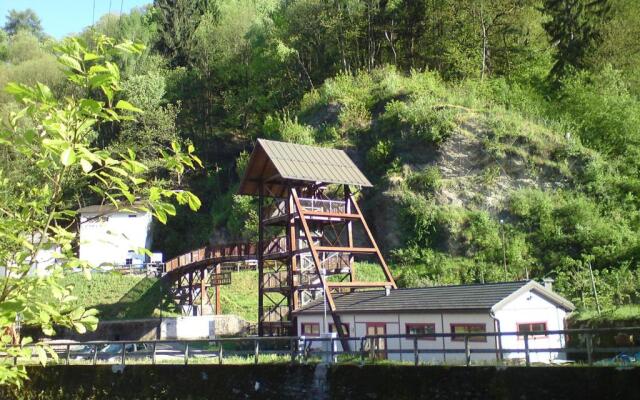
[503, 142]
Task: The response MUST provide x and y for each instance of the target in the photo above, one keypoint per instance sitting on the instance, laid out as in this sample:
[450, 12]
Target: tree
[177, 22]
[26, 20]
[53, 136]
[574, 28]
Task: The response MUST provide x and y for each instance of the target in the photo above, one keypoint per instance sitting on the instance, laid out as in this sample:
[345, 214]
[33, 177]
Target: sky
[62, 17]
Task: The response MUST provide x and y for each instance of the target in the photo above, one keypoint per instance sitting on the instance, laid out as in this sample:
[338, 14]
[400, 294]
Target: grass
[241, 297]
[118, 296]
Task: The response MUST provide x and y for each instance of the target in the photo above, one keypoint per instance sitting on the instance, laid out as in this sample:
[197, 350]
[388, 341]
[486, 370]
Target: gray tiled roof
[298, 162]
[454, 298]
[311, 163]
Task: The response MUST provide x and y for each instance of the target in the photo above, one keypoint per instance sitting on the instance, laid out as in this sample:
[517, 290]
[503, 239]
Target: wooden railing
[221, 252]
[249, 250]
[582, 348]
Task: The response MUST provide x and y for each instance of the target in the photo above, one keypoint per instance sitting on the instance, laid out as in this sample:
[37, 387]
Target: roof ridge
[524, 282]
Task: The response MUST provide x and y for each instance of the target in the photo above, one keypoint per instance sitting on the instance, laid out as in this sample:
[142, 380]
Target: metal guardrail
[301, 348]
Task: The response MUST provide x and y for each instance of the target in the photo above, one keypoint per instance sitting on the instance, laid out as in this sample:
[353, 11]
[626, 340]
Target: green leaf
[91, 56]
[79, 327]
[42, 355]
[86, 165]
[68, 157]
[194, 202]
[125, 105]
[70, 62]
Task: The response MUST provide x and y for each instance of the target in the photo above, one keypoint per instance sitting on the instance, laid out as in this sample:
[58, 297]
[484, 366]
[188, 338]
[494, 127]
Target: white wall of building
[114, 238]
[530, 307]
[526, 308]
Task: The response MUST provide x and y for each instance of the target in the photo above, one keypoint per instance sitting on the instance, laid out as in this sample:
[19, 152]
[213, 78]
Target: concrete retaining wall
[201, 327]
[279, 381]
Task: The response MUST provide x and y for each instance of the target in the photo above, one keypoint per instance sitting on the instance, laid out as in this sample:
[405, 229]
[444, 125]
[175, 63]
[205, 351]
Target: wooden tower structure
[311, 230]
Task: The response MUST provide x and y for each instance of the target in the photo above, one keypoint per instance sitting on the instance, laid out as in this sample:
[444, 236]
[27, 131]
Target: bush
[420, 120]
[426, 181]
[287, 129]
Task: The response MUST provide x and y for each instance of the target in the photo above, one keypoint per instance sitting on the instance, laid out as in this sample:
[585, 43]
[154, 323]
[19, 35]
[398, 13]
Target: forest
[502, 137]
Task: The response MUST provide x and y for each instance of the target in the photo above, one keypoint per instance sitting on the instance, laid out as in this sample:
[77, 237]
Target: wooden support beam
[341, 216]
[260, 258]
[385, 268]
[316, 260]
[358, 284]
[362, 250]
[218, 309]
[203, 289]
[347, 203]
[312, 247]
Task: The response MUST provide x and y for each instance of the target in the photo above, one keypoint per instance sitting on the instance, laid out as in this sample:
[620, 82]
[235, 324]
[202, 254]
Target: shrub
[426, 181]
[288, 130]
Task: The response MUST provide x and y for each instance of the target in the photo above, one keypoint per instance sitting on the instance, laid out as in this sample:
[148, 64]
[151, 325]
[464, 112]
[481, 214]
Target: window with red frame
[422, 331]
[345, 328]
[310, 329]
[468, 328]
[527, 327]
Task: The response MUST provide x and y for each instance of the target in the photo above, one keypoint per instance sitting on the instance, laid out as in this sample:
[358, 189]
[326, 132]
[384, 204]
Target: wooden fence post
[590, 349]
[256, 351]
[467, 350]
[220, 355]
[153, 356]
[416, 355]
[68, 351]
[294, 351]
[527, 356]
[186, 353]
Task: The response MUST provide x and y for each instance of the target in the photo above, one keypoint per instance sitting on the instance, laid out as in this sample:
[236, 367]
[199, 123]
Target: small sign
[223, 278]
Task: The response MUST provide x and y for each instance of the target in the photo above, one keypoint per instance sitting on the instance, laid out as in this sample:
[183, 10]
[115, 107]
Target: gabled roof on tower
[275, 163]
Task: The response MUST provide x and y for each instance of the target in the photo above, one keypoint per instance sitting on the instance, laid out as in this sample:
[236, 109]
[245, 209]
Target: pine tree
[574, 30]
[177, 22]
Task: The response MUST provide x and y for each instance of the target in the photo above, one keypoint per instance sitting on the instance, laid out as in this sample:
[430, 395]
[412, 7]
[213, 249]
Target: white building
[494, 307]
[113, 237]
[44, 260]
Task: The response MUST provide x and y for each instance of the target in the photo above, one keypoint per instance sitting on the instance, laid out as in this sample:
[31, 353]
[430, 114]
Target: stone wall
[280, 381]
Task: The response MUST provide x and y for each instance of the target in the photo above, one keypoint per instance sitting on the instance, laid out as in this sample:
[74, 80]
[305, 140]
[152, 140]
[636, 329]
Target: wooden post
[203, 289]
[347, 209]
[190, 280]
[186, 353]
[372, 348]
[593, 287]
[124, 345]
[294, 350]
[220, 355]
[291, 243]
[260, 260]
[218, 287]
[590, 349]
[153, 356]
[362, 350]
[416, 354]
[467, 351]
[331, 344]
[95, 354]
[256, 351]
[68, 351]
[527, 356]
